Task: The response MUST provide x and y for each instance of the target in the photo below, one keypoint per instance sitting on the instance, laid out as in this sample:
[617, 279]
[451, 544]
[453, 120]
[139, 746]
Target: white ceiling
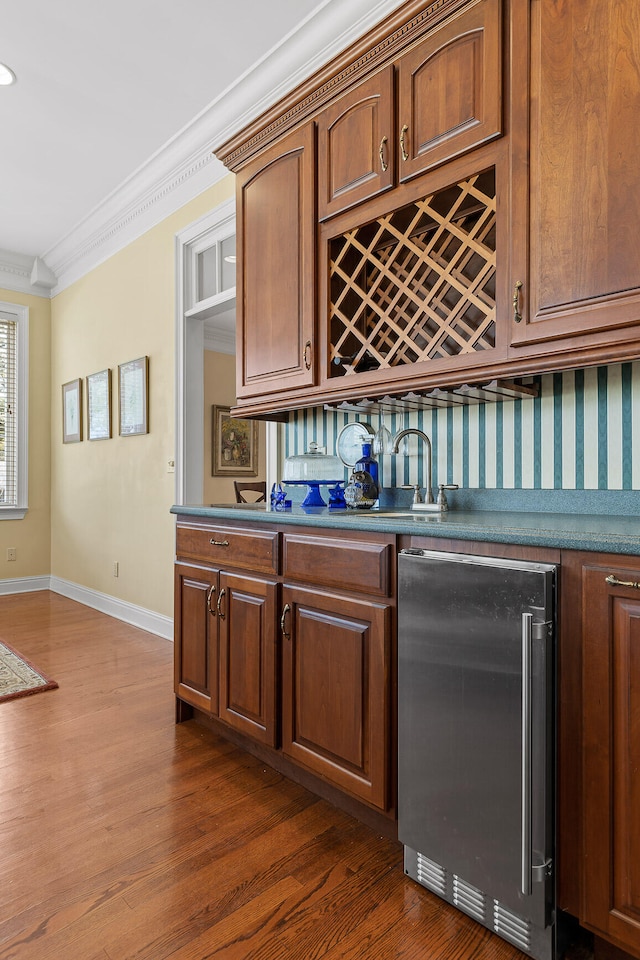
[102, 87]
[118, 108]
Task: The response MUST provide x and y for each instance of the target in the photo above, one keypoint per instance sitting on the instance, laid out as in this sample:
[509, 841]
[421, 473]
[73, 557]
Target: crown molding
[186, 166]
[156, 190]
[17, 270]
[353, 60]
[328, 31]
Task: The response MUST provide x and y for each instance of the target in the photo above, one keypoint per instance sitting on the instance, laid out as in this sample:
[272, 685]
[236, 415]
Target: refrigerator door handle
[530, 872]
[527, 632]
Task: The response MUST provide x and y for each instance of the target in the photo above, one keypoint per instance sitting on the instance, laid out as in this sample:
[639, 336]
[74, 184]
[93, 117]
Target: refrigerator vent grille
[512, 927]
[432, 875]
[469, 899]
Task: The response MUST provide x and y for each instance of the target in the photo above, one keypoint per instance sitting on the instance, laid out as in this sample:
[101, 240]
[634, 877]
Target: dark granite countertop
[601, 532]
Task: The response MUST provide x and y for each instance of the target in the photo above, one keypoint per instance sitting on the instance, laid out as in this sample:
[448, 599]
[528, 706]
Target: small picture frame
[133, 397]
[99, 405]
[72, 411]
[234, 445]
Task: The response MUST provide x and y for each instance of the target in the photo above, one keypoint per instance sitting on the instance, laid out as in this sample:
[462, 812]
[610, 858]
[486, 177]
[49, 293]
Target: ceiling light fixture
[7, 76]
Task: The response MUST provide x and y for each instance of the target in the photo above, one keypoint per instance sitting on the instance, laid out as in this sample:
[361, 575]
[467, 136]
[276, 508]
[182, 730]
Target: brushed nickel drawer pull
[219, 543]
[211, 590]
[283, 621]
[614, 582]
[405, 155]
[384, 166]
[222, 594]
[517, 316]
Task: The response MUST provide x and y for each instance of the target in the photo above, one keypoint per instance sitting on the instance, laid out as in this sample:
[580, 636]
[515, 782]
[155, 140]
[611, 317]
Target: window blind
[8, 412]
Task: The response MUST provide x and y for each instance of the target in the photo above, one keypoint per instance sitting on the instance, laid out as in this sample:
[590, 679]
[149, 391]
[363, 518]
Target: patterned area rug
[18, 677]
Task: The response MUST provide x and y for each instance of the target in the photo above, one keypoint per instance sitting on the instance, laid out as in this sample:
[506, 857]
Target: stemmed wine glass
[382, 440]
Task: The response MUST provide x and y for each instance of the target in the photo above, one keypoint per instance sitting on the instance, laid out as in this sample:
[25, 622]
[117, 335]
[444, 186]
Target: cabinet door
[196, 646]
[335, 711]
[576, 179]
[611, 777]
[356, 148]
[248, 682]
[275, 271]
[450, 90]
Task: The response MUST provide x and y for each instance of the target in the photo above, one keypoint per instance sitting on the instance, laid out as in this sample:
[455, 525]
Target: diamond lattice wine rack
[417, 284]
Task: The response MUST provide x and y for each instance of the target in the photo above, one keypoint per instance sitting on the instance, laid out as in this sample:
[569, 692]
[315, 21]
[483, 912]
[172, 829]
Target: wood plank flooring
[126, 837]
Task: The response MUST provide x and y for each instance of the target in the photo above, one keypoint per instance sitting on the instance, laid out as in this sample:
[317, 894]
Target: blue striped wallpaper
[581, 433]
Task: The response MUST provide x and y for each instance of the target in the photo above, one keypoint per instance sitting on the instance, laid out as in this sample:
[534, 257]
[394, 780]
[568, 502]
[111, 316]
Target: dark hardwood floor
[123, 836]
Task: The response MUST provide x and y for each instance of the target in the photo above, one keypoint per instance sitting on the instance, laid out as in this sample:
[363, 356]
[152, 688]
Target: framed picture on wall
[234, 445]
[99, 405]
[72, 411]
[133, 397]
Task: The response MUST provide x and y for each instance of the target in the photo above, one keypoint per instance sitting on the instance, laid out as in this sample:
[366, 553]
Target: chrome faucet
[428, 503]
[428, 483]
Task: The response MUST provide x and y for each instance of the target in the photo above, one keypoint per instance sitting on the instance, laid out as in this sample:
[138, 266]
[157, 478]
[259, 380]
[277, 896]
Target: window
[213, 266]
[14, 350]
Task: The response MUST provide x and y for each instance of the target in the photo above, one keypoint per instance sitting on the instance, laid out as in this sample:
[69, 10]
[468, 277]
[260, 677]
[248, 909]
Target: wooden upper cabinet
[450, 90]
[576, 179]
[356, 148]
[275, 227]
[611, 752]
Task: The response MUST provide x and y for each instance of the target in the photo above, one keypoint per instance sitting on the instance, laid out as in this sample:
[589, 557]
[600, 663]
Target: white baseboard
[120, 609]
[24, 585]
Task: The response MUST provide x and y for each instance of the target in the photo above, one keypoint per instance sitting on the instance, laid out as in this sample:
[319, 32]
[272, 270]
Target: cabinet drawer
[229, 546]
[331, 562]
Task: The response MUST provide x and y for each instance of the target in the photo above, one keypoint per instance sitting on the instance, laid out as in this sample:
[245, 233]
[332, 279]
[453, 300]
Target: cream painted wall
[220, 388]
[110, 499]
[32, 536]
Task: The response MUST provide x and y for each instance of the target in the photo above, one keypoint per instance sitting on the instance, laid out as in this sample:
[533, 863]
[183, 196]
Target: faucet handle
[442, 498]
[417, 494]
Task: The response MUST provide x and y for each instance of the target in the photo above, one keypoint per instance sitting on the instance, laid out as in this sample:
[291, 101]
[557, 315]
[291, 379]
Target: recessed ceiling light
[7, 76]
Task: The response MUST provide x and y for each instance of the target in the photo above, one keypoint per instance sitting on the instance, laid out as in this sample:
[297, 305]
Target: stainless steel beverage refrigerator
[476, 730]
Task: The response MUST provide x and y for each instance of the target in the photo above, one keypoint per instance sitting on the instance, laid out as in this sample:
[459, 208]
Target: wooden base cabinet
[225, 648]
[287, 637]
[196, 637]
[335, 705]
[611, 756]
[225, 626]
[248, 659]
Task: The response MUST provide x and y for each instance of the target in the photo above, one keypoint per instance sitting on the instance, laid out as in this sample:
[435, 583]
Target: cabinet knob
[383, 164]
[403, 132]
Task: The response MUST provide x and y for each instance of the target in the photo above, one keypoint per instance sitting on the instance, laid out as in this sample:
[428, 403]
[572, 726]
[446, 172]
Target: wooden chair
[258, 486]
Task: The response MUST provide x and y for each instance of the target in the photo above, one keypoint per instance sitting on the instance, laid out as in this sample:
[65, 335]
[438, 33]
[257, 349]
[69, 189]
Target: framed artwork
[234, 445]
[72, 411]
[99, 405]
[133, 397]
